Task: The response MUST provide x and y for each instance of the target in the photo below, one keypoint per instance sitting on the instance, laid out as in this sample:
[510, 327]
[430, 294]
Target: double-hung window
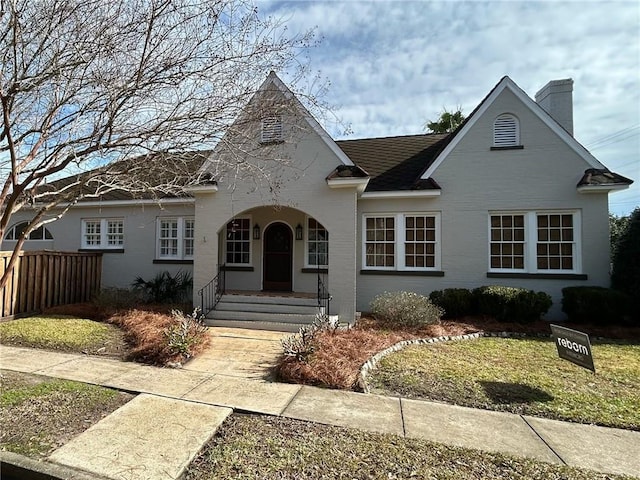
[317, 244]
[406, 241]
[103, 233]
[238, 243]
[175, 238]
[534, 242]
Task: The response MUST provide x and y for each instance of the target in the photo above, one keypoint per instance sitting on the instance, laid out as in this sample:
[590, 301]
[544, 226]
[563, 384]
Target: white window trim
[12, 232]
[516, 142]
[531, 240]
[181, 223]
[400, 238]
[250, 262]
[104, 223]
[306, 245]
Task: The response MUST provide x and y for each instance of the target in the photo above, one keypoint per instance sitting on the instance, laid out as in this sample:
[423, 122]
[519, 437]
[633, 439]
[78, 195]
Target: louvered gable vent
[506, 132]
[272, 129]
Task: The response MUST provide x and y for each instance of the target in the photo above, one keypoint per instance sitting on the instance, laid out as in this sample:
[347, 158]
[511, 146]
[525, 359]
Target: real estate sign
[573, 346]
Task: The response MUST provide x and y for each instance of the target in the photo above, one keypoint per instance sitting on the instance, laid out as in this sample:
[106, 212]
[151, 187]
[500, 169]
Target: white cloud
[393, 65]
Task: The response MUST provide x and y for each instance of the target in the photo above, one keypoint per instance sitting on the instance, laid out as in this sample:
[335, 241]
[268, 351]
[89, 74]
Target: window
[420, 241]
[175, 237]
[238, 235]
[272, 129]
[506, 131]
[103, 233]
[534, 242]
[555, 245]
[40, 233]
[507, 241]
[402, 242]
[380, 242]
[317, 244]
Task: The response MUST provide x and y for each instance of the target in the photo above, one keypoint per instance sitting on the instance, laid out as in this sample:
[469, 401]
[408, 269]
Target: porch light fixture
[256, 232]
[299, 232]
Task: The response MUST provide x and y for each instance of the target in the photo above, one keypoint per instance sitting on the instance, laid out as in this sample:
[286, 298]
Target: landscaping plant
[185, 332]
[511, 304]
[456, 302]
[405, 309]
[165, 288]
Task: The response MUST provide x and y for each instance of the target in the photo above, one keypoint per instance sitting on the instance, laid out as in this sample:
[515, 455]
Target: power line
[614, 137]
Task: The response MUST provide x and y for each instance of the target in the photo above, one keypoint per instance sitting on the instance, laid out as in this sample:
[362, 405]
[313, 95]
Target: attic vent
[272, 129]
[506, 131]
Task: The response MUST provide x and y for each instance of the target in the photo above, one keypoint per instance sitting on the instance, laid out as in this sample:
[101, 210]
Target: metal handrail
[324, 297]
[212, 292]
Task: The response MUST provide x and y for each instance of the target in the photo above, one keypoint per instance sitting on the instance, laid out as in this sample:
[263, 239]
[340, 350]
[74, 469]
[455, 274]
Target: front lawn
[40, 414]
[272, 448]
[523, 376]
[63, 332]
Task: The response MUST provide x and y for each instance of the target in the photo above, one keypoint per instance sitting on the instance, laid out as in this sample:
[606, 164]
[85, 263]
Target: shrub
[405, 309]
[594, 305]
[456, 302]
[511, 303]
[626, 264]
[186, 332]
[117, 299]
[302, 344]
[165, 288]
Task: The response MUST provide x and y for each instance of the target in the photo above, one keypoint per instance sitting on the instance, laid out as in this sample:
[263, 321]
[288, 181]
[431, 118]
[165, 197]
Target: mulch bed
[338, 356]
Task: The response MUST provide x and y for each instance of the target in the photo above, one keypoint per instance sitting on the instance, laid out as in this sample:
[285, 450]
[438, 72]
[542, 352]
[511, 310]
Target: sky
[394, 65]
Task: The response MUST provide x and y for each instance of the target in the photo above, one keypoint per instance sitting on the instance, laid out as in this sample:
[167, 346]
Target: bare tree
[88, 83]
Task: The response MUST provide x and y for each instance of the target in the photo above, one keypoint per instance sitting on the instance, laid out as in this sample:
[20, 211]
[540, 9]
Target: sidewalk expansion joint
[543, 440]
[290, 401]
[404, 430]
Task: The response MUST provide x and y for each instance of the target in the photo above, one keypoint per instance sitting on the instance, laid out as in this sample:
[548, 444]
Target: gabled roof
[507, 83]
[395, 163]
[270, 82]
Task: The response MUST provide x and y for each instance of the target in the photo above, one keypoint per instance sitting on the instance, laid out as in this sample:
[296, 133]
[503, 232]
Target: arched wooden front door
[278, 258]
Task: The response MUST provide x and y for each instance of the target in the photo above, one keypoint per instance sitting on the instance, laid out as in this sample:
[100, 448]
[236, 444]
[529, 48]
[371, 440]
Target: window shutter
[272, 129]
[505, 131]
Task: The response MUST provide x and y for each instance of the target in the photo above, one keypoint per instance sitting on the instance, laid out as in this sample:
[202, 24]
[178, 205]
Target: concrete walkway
[156, 435]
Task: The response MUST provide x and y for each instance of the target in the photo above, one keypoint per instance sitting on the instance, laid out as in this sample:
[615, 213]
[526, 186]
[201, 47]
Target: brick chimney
[556, 98]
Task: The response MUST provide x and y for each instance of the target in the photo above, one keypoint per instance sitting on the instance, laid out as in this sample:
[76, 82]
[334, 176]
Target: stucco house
[509, 198]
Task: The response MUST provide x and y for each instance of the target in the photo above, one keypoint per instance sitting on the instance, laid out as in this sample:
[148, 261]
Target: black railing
[324, 297]
[211, 293]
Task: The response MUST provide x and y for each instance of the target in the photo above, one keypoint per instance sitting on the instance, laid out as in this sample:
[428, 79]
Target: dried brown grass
[338, 356]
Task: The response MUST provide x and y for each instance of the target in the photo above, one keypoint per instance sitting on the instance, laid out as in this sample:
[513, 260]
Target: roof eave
[602, 188]
[402, 194]
[358, 183]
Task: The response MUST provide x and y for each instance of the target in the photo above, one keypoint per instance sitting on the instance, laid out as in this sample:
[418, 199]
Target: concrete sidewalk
[207, 395]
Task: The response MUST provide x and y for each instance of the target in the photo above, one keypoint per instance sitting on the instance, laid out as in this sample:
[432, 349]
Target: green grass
[523, 376]
[59, 332]
[270, 448]
[16, 395]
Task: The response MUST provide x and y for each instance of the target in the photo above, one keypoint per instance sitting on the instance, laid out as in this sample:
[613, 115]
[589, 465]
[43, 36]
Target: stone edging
[372, 363]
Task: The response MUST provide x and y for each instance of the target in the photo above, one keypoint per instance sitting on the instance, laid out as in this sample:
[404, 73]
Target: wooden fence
[45, 279]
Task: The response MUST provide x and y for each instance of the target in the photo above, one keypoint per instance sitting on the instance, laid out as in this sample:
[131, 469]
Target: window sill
[510, 147]
[539, 276]
[232, 268]
[404, 273]
[170, 261]
[102, 250]
[315, 270]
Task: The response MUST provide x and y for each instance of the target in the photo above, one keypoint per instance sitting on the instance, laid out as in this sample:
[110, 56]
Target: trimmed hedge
[511, 303]
[456, 302]
[597, 305]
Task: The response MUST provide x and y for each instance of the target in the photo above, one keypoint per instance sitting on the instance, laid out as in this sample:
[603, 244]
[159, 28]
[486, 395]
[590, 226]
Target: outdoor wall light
[299, 232]
[256, 232]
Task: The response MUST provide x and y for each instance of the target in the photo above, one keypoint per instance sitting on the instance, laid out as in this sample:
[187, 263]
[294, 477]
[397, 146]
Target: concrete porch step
[261, 316]
[256, 325]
